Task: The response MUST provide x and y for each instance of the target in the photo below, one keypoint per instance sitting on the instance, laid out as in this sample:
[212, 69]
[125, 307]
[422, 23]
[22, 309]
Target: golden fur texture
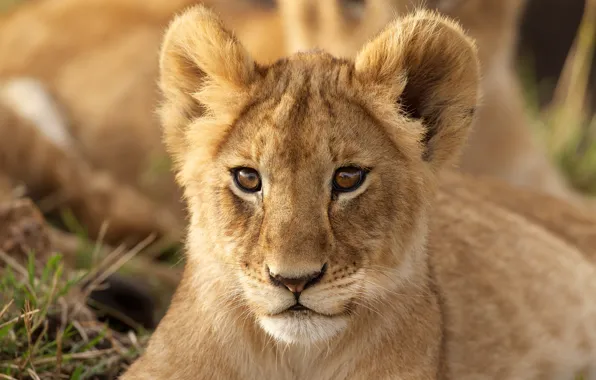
[575, 225]
[501, 144]
[414, 280]
[98, 61]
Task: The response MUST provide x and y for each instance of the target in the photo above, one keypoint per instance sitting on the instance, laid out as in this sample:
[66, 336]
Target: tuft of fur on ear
[431, 72]
[204, 71]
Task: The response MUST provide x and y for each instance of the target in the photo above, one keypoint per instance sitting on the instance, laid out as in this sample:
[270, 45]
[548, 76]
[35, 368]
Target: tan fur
[575, 225]
[98, 58]
[501, 144]
[421, 282]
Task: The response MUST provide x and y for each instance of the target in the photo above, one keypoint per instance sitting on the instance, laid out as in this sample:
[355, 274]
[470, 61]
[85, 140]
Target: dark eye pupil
[247, 180]
[348, 179]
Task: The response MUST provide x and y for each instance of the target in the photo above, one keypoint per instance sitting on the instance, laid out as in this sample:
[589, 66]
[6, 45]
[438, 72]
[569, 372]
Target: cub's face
[307, 180]
[317, 205]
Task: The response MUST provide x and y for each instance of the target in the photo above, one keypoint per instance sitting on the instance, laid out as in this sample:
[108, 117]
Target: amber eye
[247, 179]
[348, 179]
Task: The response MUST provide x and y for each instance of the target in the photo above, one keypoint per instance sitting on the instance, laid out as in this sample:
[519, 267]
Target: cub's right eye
[247, 179]
[347, 179]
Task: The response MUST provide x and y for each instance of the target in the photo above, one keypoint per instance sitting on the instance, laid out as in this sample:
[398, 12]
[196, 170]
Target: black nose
[297, 285]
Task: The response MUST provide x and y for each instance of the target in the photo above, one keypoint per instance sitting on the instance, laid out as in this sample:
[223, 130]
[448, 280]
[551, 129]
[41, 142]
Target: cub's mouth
[298, 307]
[300, 325]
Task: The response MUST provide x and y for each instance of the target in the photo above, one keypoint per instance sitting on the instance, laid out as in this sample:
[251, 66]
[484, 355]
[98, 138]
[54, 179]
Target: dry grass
[46, 329]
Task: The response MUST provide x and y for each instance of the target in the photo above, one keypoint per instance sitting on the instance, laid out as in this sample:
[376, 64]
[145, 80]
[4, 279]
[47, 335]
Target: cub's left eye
[348, 179]
[247, 179]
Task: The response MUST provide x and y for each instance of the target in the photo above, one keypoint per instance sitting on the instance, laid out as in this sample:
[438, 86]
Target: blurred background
[91, 221]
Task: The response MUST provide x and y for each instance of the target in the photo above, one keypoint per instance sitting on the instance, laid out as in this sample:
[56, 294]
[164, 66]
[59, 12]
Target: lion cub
[321, 247]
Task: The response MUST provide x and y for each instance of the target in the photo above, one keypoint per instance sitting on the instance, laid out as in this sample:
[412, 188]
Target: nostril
[274, 278]
[317, 277]
[321, 272]
[297, 284]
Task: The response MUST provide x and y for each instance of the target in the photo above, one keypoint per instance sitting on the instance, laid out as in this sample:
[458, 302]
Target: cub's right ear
[203, 71]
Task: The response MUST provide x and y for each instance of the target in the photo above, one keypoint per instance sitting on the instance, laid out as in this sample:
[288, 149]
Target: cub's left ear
[204, 71]
[429, 69]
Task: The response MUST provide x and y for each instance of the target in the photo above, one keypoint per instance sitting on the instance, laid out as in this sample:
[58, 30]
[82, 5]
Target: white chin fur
[301, 328]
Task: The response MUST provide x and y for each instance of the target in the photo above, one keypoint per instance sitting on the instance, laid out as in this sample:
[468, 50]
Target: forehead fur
[308, 98]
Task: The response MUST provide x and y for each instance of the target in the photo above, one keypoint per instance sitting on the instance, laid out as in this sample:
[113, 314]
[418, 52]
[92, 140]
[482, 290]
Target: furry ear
[203, 68]
[431, 72]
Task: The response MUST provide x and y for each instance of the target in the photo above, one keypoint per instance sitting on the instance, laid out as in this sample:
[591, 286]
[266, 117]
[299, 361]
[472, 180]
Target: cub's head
[307, 180]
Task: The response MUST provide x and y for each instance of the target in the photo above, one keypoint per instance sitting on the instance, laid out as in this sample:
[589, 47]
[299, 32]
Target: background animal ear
[199, 61]
[431, 71]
